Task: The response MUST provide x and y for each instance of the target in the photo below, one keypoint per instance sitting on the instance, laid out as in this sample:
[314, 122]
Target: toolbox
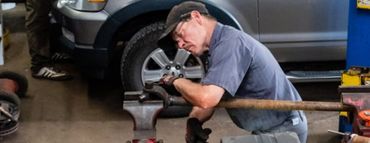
[355, 87]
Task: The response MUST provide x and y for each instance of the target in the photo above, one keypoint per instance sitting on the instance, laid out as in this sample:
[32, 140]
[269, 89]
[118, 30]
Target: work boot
[51, 73]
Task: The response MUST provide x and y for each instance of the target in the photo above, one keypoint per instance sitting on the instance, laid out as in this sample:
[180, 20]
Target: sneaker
[61, 57]
[51, 74]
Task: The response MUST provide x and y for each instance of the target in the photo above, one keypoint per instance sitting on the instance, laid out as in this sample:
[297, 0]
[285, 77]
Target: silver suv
[121, 35]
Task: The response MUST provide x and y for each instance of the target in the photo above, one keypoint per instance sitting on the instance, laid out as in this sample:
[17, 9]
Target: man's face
[191, 36]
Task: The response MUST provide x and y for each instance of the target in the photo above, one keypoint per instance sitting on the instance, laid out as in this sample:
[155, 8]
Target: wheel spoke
[194, 72]
[152, 75]
[160, 58]
[181, 56]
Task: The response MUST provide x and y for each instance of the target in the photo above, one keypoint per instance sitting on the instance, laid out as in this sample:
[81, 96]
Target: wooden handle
[284, 105]
[275, 104]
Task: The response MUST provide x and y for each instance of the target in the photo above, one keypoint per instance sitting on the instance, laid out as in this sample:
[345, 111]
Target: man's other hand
[168, 80]
[195, 133]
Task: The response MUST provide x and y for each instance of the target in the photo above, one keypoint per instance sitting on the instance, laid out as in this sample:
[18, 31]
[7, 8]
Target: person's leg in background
[38, 34]
[37, 26]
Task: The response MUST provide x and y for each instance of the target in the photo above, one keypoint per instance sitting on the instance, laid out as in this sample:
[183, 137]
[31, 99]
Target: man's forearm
[188, 90]
[202, 115]
[204, 96]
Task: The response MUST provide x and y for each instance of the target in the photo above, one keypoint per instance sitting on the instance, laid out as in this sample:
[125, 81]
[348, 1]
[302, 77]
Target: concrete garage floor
[71, 112]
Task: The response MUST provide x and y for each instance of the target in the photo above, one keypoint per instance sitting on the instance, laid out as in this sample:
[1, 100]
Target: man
[239, 67]
[38, 33]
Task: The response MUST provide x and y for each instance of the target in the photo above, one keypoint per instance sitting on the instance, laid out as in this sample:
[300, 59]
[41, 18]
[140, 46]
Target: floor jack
[12, 85]
[144, 111]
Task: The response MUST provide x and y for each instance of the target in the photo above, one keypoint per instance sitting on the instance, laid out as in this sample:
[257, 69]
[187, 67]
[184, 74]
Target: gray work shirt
[246, 69]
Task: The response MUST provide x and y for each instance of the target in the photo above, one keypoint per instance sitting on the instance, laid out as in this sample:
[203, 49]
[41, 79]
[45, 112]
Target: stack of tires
[12, 86]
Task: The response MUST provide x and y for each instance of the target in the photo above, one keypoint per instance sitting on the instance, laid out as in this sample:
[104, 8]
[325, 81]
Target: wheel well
[126, 31]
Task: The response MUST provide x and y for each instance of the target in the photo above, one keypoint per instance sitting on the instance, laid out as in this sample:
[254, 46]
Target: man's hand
[167, 83]
[195, 133]
[160, 92]
[168, 80]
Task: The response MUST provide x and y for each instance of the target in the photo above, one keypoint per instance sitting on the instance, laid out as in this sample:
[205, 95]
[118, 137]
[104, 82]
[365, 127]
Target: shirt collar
[216, 35]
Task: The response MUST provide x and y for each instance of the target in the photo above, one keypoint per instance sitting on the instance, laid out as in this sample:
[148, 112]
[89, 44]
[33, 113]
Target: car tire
[137, 59]
[12, 102]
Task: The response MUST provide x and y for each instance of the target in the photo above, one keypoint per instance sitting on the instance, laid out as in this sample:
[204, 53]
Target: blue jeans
[296, 123]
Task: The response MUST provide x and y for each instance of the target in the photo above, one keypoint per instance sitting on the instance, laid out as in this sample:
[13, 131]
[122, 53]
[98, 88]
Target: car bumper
[79, 30]
[92, 62]
[83, 25]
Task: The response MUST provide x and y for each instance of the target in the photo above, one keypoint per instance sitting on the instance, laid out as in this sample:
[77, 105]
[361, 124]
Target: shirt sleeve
[229, 62]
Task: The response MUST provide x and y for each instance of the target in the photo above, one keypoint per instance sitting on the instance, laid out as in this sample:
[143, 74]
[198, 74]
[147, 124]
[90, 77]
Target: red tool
[351, 138]
[358, 97]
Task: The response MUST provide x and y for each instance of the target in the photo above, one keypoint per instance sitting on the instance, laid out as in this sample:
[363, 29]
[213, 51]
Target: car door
[244, 12]
[297, 30]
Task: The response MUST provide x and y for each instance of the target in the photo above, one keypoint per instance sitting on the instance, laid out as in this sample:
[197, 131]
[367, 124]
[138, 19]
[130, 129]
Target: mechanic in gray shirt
[239, 67]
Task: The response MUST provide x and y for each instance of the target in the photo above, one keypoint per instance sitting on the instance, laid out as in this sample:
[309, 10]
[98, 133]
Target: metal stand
[358, 48]
[1, 35]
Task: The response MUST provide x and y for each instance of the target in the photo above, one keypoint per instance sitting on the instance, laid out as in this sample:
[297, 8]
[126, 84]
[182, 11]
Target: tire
[19, 79]
[12, 104]
[143, 61]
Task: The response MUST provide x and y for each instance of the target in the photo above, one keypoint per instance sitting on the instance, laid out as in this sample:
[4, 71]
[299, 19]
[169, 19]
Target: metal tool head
[144, 114]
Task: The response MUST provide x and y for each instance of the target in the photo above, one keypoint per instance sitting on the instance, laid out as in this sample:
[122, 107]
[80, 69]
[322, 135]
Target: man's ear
[197, 16]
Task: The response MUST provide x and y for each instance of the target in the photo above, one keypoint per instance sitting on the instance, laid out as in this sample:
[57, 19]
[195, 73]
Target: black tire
[19, 79]
[13, 102]
[135, 60]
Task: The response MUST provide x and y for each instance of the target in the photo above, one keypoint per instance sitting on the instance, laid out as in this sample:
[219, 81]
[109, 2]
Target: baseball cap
[177, 14]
